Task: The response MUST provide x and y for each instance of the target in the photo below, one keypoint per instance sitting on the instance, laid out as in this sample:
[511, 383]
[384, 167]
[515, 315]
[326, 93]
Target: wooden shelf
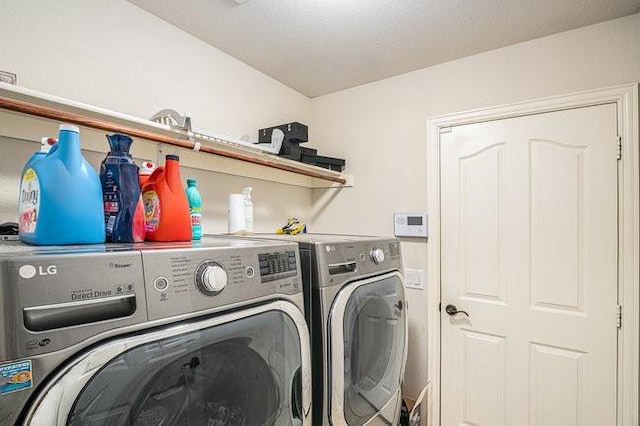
[19, 107]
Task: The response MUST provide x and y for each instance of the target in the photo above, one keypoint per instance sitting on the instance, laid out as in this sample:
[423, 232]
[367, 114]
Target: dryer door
[246, 368]
[368, 335]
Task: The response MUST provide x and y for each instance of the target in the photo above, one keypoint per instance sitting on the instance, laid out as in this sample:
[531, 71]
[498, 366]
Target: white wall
[111, 54]
[380, 128]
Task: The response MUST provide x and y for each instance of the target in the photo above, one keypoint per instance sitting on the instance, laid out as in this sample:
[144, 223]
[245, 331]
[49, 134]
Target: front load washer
[356, 310]
[201, 333]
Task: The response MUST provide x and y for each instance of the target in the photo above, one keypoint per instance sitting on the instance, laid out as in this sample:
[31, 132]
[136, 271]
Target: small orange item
[166, 207]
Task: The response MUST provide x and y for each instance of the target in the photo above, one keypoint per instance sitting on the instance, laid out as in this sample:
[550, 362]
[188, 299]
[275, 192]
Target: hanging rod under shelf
[68, 117]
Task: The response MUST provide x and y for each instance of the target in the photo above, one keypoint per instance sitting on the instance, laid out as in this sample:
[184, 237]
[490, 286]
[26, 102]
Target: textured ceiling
[322, 46]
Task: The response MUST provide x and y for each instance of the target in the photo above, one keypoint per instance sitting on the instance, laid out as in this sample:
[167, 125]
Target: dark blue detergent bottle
[123, 210]
[61, 197]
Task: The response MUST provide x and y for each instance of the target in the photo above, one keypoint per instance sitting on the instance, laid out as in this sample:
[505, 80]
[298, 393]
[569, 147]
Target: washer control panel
[187, 281]
[275, 266]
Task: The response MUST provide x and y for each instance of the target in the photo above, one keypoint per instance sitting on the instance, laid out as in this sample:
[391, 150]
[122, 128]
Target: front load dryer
[201, 333]
[357, 315]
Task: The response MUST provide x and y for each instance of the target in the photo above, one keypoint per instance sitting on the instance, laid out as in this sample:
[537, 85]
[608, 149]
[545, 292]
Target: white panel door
[530, 252]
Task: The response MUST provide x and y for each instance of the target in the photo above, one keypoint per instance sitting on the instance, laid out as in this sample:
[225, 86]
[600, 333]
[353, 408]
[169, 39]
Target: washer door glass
[245, 372]
[374, 342]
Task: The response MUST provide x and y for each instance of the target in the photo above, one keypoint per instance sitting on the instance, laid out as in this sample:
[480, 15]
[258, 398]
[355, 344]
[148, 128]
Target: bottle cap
[70, 128]
[172, 157]
[191, 182]
[46, 143]
[147, 168]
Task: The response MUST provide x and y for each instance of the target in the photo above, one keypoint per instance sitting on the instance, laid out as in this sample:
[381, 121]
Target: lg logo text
[30, 271]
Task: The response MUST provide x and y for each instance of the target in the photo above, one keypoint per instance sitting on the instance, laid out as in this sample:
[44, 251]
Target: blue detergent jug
[61, 196]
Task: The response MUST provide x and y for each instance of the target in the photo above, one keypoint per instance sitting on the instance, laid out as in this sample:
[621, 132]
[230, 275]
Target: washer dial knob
[211, 278]
[377, 255]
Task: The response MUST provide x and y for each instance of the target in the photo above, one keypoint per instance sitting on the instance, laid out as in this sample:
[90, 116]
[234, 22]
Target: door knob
[452, 310]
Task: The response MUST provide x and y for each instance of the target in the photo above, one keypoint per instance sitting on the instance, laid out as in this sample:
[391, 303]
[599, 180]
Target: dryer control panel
[347, 258]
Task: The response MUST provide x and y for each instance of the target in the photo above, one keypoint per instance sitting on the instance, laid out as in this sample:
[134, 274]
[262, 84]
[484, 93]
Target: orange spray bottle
[166, 206]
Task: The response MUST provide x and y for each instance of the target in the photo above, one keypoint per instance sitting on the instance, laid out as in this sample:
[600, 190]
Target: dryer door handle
[296, 395]
[342, 268]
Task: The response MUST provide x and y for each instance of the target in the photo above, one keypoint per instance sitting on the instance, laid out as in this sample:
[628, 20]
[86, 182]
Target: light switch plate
[414, 278]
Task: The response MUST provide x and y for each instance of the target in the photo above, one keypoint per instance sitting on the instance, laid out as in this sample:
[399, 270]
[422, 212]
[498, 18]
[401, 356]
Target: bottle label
[151, 203]
[196, 216]
[110, 197]
[29, 203]
[196, 222]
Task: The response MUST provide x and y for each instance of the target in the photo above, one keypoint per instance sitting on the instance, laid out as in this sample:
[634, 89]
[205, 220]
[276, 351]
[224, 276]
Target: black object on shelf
[293, 132]
[290, 150]
[336, 164]
[300, 153]
[309, 155]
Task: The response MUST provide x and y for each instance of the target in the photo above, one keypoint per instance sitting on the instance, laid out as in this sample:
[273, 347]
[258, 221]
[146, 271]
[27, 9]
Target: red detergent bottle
[166, 206]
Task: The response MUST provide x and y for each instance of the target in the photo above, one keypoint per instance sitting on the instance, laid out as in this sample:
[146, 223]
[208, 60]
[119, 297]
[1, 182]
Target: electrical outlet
[414, 278]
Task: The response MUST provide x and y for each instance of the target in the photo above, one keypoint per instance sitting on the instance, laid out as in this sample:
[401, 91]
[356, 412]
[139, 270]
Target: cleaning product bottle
[146, 169]
[165, 204]
[248, 210]
[195, 208]
[61, 196]
[123, 210]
